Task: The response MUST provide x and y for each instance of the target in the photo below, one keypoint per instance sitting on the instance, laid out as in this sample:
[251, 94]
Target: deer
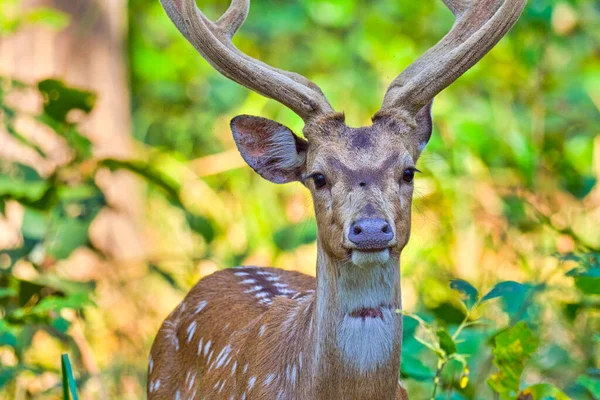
[252, 332]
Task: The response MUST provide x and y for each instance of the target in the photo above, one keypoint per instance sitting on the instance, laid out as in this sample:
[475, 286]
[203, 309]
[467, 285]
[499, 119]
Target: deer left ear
[424, 127]
[270, 148]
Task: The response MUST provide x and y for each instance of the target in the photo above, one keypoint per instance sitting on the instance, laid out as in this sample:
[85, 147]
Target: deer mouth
[370, 257]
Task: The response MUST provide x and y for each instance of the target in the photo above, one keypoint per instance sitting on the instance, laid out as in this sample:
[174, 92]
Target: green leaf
[59, 99]
[70, 221]
[294, 236]
[512, 348]
[469, 294]
[66, 236]
[413, 368]
[69, 384]
[21, 185]
[8, 374]
[7, 292]
[446, 342]
[201, 225]
[588, 285]
[35, 224]
[503, 289]
[542, 391]
[54, 303]
[590, 384]
[587, 274]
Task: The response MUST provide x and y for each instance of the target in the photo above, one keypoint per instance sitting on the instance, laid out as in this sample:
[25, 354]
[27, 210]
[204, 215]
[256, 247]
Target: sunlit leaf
[446, 342]
[512, 348]
[542, 391]
[469, 294]
[590, 384]
[502, 289]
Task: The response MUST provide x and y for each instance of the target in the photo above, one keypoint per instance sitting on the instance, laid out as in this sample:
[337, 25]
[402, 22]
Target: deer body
[276, 342]
[261, 333]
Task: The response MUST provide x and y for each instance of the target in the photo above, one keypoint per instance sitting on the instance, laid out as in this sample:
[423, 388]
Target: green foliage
[68, 380]
[58, 211]
[12, 17]
[512, 349]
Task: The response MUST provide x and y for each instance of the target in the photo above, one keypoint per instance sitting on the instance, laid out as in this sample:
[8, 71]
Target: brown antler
[480, 24]
[213, 41]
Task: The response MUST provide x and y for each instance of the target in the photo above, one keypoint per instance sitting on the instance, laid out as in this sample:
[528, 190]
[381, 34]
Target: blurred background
[120, 187]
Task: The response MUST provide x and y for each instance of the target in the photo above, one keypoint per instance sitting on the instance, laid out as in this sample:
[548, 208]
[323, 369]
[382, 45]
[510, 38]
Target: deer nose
[371, 234]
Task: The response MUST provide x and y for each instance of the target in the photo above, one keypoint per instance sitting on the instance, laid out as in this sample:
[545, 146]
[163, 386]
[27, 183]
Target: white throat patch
[366, 334]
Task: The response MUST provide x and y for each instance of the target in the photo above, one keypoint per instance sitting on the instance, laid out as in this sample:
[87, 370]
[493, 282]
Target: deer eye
[319, 180]
[408, 175]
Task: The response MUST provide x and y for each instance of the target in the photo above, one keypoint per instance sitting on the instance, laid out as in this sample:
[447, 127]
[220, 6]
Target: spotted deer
[263, 333]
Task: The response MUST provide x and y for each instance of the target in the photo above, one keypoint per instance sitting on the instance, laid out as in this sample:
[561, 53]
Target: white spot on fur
[273, 278]
[154, 385]
[300, 360]
[200, 343]
[177, 396]
[233, 368]
[248, 282]
[269, 379]
[241, 273]
[262, 330]
[251, 382]
[150, 365]
[207, 347]
[254, 289]
[201, 306]
[192, 383]
[190, 331]
[220, 360]
[261, 295]
[245, 368]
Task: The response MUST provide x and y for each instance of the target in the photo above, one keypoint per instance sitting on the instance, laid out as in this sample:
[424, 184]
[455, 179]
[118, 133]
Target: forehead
[368, 149]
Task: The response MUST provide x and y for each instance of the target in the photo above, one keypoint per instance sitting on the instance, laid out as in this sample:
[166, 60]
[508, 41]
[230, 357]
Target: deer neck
[357, 331]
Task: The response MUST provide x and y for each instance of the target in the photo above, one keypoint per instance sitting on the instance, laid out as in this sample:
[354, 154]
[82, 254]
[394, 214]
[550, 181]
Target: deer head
[361, 180]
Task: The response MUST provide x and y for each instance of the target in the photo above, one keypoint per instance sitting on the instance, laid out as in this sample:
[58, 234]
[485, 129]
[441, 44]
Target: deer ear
[424, 127]
[270, 148]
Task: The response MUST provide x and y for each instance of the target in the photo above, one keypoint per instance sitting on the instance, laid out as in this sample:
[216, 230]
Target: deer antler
[479, 26]
[213, 41]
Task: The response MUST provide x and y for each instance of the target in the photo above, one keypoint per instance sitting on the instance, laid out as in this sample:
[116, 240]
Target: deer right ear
[270, 148]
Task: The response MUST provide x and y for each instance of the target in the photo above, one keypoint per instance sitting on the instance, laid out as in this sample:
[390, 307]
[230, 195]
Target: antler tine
[479, 26]
[234, 17]
[213, 41]
[457, 6]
